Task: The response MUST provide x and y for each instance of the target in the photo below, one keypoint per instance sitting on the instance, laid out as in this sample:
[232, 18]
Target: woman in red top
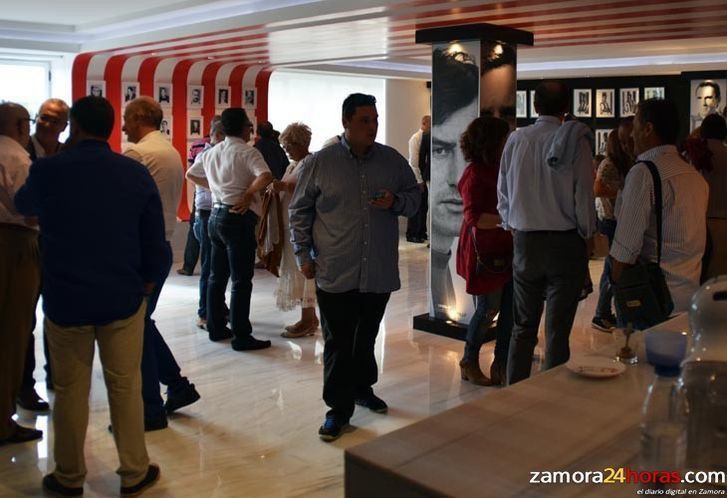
[484, 254]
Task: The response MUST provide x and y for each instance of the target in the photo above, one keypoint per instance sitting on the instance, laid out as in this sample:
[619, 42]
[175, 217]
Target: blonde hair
[296, 133]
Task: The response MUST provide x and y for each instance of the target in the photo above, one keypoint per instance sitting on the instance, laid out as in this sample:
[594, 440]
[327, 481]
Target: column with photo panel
[473, 76]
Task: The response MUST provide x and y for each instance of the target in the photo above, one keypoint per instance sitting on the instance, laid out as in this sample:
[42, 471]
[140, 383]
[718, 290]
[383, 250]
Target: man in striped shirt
[685, 195]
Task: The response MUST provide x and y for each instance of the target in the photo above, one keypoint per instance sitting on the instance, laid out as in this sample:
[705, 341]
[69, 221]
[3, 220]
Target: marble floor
[254, 432]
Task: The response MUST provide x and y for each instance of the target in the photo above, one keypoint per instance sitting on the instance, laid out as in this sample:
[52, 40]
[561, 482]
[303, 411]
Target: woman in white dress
[293, 288]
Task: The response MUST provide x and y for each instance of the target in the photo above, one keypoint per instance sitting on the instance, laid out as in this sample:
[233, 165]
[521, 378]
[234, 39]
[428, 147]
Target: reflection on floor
[254, 432]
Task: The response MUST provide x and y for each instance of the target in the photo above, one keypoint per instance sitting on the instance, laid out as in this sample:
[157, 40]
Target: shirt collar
[13, 145]
[350, 152]
[548, 119]
[657, 151]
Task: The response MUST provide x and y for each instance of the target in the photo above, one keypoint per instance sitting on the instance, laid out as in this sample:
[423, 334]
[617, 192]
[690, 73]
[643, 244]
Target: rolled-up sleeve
[197, 168]
[584, 199]
[301, 211]
[408, 199]
[633, 215]
[503, 200]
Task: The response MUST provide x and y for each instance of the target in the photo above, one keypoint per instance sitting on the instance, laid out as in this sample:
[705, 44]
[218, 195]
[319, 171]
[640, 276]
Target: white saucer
[595, 366]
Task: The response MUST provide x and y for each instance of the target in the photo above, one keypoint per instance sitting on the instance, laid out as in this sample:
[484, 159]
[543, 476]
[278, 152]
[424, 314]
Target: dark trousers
[605, 292]
[200, 232]
[191, 247]
[28, 383]
[416, 227]
[157, 362]
[554, 265]
[350, 323]
[232, 238]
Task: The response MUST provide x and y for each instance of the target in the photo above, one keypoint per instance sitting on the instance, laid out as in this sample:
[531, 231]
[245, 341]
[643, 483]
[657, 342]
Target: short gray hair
[296, 133]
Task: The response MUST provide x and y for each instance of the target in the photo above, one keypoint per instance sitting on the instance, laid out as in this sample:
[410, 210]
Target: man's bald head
[551, 98]
[15, 122]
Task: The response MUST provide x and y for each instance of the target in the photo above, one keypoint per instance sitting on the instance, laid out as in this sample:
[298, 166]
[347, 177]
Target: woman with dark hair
[609, 180]
[484, 254]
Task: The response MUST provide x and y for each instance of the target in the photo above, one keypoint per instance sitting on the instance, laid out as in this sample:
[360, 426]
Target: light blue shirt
[533, 196]
[354, 246]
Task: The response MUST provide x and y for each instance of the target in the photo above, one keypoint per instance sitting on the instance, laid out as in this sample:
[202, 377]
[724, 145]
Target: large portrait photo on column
[455, 83]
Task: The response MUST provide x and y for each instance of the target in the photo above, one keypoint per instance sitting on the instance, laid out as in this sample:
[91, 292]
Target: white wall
[406, 102]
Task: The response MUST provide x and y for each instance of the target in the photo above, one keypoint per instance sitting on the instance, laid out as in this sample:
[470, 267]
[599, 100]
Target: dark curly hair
[483, 138]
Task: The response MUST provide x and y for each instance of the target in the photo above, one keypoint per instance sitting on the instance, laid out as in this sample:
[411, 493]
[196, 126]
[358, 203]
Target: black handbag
[641, 295]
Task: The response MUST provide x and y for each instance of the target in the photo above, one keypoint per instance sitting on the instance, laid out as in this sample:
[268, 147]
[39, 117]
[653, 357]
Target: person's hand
[383, 199]
[308, 269]
[277, 186]
[149, 288]
[590, 246]
[244, 204]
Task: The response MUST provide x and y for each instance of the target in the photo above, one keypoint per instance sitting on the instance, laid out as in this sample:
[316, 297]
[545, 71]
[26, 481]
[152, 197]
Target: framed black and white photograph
[166, 127]
[223, 96]
[194, 127]
[605, 103]
[654, 92]
[96, 88]
[130, 90]
[521, 104]
[601, 141]
[707, 97]
[249, 97]
[164, 93]
[629, 101]
[533, 112]
[582, 103]
[195, 96]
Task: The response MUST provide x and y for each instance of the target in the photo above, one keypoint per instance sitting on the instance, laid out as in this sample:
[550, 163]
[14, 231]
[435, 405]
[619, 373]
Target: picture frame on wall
[223, 96]
[629, 100]
[96, 88]
[194, 127]
[707, 97]
[601, 141]
[521, 104]
[130, 91]
[195, 96]
[654, 92]
[533, 112]
[605, 100]
[166, 126]
[164, 94]
[582, 103]
[249, 97]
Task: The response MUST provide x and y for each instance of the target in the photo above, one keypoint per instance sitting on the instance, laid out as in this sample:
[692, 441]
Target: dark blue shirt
[101, 230]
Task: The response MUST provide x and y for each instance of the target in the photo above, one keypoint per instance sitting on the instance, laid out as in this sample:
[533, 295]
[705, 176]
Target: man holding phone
[345, 234]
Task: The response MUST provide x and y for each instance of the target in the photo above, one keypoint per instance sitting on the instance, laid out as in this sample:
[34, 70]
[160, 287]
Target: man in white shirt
[20, 274]
[235, 173]
[142, 119]
[685, 195]
[550, 209]
[416, 228]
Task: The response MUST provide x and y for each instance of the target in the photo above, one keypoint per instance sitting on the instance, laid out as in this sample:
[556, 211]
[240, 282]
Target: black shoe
[185, 272]
[32, 401]
[150, 425]
[22, 435]
[332, 429]
[152, 476]
[603, 324]
[51, 484]
[249, 344]
[188, 396]
[225, 334]
[373, 403]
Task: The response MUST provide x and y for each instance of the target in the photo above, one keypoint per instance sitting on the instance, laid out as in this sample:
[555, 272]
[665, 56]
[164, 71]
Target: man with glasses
[50, 122]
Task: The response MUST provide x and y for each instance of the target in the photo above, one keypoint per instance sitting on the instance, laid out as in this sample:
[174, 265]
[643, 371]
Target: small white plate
[598, 367]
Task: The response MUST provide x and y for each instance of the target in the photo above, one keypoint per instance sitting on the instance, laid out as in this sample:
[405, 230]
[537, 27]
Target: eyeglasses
[49, 119]
[29, 120]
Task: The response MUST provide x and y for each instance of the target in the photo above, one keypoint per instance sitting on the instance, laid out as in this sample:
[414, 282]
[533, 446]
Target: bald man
[19, 269]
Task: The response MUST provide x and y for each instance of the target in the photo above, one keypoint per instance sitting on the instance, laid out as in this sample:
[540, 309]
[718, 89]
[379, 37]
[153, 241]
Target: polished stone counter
[554, 421]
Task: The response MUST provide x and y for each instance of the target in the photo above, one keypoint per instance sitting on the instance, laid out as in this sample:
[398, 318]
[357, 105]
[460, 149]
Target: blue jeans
[487, 306]
[200, 232]
[232, 237]
[605, 293]
[157, 361]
